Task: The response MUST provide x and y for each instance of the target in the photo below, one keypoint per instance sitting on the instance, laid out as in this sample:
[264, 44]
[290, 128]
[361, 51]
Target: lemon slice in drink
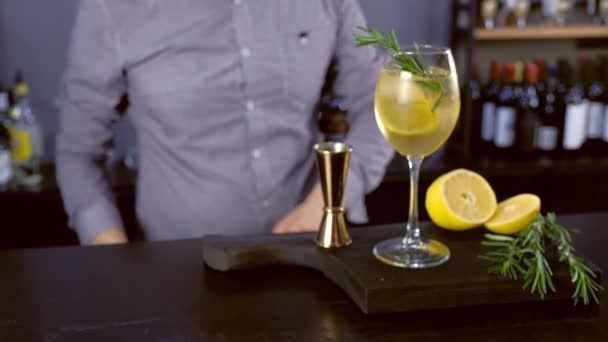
[514, 214]
[460, 200]
[412, 119]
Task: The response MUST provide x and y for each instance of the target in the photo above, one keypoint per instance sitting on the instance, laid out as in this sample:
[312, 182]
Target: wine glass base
[427, 253]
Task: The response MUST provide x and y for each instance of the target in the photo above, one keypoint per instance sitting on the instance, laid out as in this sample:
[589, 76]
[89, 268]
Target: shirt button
[245, 52]
[250, 106]
[256, 154]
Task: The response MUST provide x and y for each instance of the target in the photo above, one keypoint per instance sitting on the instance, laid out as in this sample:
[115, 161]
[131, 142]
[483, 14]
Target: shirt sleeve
[358, 71]
[92, 85]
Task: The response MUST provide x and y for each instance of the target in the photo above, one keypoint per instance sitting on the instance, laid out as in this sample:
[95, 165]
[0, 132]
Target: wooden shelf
[537, 33]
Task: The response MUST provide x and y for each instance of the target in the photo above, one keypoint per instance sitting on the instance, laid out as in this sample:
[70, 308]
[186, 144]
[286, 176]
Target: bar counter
[161, 291]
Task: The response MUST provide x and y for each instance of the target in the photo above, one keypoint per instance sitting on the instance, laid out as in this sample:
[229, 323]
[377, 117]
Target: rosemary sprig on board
[523, 255]
[407, 62]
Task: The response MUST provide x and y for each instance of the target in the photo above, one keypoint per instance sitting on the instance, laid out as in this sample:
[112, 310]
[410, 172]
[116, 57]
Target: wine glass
[416, 111]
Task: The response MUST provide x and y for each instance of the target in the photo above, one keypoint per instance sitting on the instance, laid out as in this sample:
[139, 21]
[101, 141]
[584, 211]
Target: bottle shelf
[544, 32]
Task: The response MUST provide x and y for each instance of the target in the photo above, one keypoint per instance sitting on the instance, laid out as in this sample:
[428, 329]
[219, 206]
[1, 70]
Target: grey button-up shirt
[222, 96]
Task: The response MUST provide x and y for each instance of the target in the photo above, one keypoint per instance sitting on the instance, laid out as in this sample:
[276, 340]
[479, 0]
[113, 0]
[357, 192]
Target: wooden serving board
[379, 288]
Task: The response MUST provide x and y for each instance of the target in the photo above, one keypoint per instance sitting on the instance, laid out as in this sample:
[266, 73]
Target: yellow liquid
[404, 111]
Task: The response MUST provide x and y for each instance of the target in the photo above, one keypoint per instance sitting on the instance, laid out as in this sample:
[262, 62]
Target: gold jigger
[332, 161]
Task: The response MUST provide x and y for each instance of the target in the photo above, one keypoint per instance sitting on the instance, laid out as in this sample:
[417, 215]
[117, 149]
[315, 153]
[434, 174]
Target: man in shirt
[222, 94]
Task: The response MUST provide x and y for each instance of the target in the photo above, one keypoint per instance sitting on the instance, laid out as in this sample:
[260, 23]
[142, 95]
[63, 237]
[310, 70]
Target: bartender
[222, 95]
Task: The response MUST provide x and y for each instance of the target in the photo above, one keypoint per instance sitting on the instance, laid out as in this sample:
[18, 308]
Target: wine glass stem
[412, 235]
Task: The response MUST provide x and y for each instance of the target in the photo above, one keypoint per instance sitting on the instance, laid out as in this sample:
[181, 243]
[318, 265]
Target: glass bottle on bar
[506, 110]
[550, 116]
[521, 11]
[6, 166]
[576, 109]
[489, 98]
[26, 136]
[604, 77]
[595, 94]
[593, 12]
[563, 12]
[488, 10]
[527, 119]
[477, 106]
[602, 10]
[543, 76]
[331, 113]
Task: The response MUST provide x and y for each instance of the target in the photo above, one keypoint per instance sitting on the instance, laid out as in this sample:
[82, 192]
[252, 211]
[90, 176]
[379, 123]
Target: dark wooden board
[379, 288]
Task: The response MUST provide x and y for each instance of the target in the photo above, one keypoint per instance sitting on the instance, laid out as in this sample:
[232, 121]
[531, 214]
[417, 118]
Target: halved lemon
[514, 214]
[460, 199]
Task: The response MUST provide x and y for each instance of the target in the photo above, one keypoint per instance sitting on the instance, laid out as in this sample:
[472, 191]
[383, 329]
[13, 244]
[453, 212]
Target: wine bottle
[6, 169]
[488, 10]
[595, 94]
[541, 84]
[477, 105]
[489, 99]
[576, 106]
[527, 120]
[520, 12]
[604, 78]
[506, 110]
[551, 116]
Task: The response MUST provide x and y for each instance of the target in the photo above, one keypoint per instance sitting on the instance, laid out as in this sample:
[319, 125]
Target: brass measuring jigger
[332, 161]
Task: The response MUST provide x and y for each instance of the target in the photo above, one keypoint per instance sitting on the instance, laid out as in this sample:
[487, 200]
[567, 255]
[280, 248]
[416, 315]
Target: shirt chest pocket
[308, 49]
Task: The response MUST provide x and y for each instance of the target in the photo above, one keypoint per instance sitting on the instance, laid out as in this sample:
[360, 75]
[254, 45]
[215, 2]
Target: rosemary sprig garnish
[523, 255]
[580, 274]
[406, 62]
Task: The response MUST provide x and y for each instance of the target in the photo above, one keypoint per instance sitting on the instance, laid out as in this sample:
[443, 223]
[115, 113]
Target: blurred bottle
[576, 108]
[593, 11]
[563, 12]
[331, 113]
[604, 78]
[506, 14]
[549, 9]
[6, 166]
[543, 76]
[557, 12]
[26, 135]
[602, 9]
[506, 109]
[477, 106]
[489, 100]
[527, 119]
[4, 104]
[521, 10]
[551, 117]
[488, 11]
[333, 121]
[583, 11]
[595, 93]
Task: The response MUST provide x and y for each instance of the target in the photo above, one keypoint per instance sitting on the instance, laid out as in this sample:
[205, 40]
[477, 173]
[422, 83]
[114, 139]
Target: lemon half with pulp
[460, 199]
[514, 214]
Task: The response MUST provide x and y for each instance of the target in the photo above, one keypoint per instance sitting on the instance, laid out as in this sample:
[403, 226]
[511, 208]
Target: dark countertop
[160, 291]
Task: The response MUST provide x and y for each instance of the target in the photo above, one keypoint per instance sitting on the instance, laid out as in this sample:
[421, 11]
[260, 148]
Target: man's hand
[110, 236]
[306, 217]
